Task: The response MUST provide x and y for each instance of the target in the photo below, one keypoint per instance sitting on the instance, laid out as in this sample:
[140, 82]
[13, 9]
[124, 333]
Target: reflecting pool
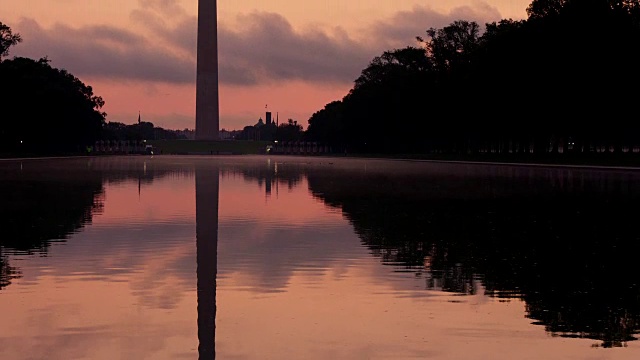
[256, 257]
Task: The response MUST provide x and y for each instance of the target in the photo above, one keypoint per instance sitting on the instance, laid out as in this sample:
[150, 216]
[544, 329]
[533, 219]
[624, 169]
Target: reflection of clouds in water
[156, 260]
[266, 260]
[262, 253]
[152, 260]
[134, 336]
[265, 252]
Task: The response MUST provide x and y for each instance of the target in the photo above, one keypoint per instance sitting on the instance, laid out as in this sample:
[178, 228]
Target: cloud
[177, 29]
[266, 47]
[403, 27]
[104, 52]
[169, 8]
[258, 48]
[263, 47]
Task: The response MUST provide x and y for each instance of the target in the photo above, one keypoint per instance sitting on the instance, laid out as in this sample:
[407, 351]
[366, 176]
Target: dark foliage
[46, 110]
[565, 78]
[50, 111]
[327, 125]
[289, 131]
[7, 39]
[137, 132]
[259, 132]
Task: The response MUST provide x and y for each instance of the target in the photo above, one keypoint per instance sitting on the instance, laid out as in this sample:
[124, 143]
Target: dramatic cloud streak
[104, 52]
[259, 48]
[267, 48]
[404, 26]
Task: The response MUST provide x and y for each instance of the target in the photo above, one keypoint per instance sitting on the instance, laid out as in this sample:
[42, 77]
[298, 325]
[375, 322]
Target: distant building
[229, 135]
[249, 133]
[260, 131]
[186, 134]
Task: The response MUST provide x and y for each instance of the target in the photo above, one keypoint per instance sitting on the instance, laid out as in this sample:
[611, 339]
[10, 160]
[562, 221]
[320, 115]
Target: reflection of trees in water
[36, 211]
[7, 272]
[47, 201]
[41, 206]
[144, 170]
[53, 202]
[272, 175]
[563, 241]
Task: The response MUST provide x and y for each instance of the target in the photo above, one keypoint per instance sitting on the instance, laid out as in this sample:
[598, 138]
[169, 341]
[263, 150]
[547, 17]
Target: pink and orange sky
[292, 56]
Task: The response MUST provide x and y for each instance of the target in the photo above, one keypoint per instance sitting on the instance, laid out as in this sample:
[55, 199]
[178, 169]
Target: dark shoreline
[599, 161]
[572, 160]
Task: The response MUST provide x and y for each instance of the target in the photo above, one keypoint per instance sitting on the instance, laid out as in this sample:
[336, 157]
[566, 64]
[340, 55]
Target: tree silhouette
[46, 110]
[544, 8]
[383, 103]
[289, 131]
[326, 125]
[450, 46]
[520, 87]
[7, 40]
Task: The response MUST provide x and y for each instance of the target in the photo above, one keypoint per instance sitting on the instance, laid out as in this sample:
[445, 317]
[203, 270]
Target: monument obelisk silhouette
[207, 188]
[207, 99]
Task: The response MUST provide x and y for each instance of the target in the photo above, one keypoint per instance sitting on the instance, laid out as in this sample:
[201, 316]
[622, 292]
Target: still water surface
[316, 258]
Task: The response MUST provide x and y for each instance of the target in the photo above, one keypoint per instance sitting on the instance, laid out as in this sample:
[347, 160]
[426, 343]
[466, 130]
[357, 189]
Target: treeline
[46, 110]
[141, 131]
[50, 111]
[563, 79]
[287, 131]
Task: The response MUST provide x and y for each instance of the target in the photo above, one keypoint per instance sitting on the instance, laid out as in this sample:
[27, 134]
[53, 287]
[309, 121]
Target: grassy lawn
[190, 147]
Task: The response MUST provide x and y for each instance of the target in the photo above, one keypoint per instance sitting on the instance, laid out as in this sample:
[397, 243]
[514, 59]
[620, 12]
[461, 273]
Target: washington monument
[207, 101]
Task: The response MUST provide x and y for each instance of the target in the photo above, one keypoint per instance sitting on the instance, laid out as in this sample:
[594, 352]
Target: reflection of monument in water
[74, 197]
[207, 187]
